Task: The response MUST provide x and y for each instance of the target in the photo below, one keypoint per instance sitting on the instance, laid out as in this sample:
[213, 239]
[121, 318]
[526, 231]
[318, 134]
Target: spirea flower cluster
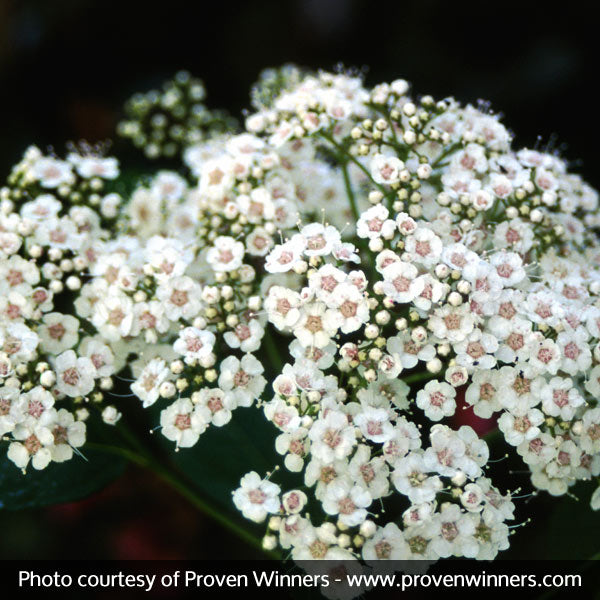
[358, 265]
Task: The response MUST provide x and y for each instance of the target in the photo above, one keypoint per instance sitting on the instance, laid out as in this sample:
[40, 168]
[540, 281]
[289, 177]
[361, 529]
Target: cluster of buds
[163, 122]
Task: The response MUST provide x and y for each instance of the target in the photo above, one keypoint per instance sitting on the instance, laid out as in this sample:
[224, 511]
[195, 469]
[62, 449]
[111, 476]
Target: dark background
[66, 66]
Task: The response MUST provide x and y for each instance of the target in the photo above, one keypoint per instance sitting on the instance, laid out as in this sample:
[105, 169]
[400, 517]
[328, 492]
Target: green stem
[350, 192]
[349, 157]
[205, 508]
[418, 377]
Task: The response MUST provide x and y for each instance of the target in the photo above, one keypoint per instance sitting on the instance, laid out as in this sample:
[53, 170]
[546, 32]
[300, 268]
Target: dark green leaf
[57, 483]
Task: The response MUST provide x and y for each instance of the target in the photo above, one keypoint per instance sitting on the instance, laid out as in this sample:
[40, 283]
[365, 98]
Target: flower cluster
[383, 261]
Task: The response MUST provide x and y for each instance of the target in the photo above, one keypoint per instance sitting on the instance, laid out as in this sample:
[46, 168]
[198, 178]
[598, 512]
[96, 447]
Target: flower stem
[350, 192]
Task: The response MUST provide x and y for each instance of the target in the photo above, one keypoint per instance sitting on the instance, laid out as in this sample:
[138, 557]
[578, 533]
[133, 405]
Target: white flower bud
[54, 254]
[300, 267]
[106, 383]
[35, 251]
[82, 414]
[536, 215]
[434, 365]
[110, 415]
[409, 137]
[401, 324]
[254, 303]
[208, 361]
[382, 317]
[442, 271]
[167, 389]
[368, 528]
[56, 286]
[269, 542]
[459, 479]
[375, 354]
[177, 367]
[409, 109]
[307, 421]
[344, 540]
[415, 211]
[424, 171]
[73, 283]
[464, 287]
[512, 212]
[371, 331]
[443, 199]
[48, 379]
[455, 299]
[370, 375]
[375, 197]
[376, 244]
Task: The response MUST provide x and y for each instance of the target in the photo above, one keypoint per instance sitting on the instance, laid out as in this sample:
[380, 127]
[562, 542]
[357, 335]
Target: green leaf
[223, 455]
[57, 483]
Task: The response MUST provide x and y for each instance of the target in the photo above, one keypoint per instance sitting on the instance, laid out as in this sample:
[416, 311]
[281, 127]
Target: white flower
[283, 416]
[437, 400]
[352, 307]
[452, 324]
[17, 341]
[74, 375]
[410, 477]
[482, 393]
[544, 354]
[374, 223]
[242, 379]
[226, 254]
[319, 239]
[370, 473]
[51, 172]
[576, 354]
[97, 166]
[375, 424]
[560, 398]
[294, 446]
[386, 169]
[183, 423]
[180, 297]
[282, 306]
[194, 344]
[348, 501]
[400, 282]
[332, 437]
[68, 434]
[256, 497]
[521, 426]
[146, 387]
[424, 246]
[113, 315]
[245, 336]
[100, 354]
[317, 325]
[476, 351]
[509, 267]
[33, 442]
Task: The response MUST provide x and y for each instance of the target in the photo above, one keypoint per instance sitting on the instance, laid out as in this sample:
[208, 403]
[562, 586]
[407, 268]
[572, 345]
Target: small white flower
[437, 400]
[74, 375]
[256, 497]
[147, 385]
[194, 344]
[183, 423]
